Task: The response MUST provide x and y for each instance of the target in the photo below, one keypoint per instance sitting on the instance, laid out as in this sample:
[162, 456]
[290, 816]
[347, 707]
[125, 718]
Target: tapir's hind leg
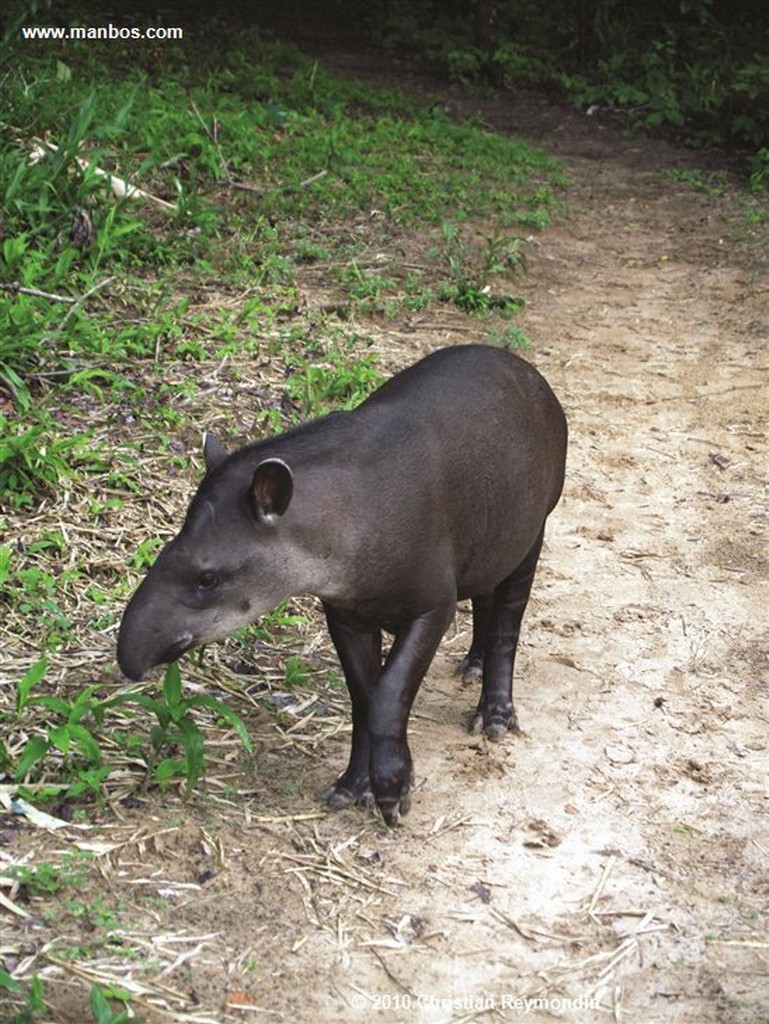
[360, 654]
[471, 666]
[496, 714]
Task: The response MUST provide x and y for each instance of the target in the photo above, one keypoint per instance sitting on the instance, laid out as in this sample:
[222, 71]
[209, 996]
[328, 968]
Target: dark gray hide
[434, 489]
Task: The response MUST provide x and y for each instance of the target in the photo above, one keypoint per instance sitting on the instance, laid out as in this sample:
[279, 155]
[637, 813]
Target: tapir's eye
[207, 581]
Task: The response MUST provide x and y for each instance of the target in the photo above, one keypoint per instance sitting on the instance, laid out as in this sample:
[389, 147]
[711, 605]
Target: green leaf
[35, 750]
[88, 781]
[7, 982]
[158, 735]
[192, 741]
[157, 707]
[229, 716]
[172, 686]
[57, 705]
[169, 769]
[60, 738]
[31, 678]
[82, 704]
[86, 743]
[101, 1009]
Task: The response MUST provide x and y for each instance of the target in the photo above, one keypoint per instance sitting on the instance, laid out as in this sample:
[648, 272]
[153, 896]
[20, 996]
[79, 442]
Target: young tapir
[435, 489]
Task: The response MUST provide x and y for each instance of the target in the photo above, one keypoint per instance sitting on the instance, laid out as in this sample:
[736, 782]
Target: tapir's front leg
[409, 658]
[360, 655]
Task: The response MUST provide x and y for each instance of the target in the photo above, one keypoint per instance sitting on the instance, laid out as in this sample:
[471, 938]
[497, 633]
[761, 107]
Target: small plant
[42, 880]
[339, 382]
[101, 999]
[470, 271]
[145, 553]
[66, 734]
[177, 727]
[471, 298]
[34, 456]
[759, 170]
[711, 183]
[513, 337]
[295, 673]
[34, 1007]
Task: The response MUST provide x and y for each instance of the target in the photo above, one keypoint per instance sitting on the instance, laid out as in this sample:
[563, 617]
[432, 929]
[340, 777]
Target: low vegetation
[695, 68]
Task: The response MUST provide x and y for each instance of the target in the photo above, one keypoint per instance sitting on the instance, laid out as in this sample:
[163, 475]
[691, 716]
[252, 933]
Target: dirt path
[612, 863]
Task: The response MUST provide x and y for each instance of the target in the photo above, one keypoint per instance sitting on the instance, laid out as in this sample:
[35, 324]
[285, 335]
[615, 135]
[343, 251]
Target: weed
[64, 732]
[295, 674]
[146, 553]
[471, 269]
[34, 456]
[93, 913]
[43, 880]
[271, 624]
[35, 1006]
[512, 337]
[711, 183]
[102, 997]
[474, 299]
[7, 982]
[338, 382]
[175, 725]
[759, 170]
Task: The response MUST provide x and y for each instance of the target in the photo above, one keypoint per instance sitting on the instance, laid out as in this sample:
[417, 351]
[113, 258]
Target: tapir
[435, 489]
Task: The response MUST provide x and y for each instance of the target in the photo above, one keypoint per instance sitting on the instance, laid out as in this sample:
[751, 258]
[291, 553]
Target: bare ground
[611, 864]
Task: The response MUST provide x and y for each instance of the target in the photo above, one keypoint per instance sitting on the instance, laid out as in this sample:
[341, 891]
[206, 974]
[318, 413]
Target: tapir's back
[478, 410]
[469, 445]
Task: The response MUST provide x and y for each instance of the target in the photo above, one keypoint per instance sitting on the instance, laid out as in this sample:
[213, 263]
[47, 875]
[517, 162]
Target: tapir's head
[227, 566]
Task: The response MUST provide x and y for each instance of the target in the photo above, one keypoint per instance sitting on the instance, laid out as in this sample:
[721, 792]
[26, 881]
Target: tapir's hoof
[392, 810]
[341, 795]
[471, 669]
[496, 725]
[393, 792]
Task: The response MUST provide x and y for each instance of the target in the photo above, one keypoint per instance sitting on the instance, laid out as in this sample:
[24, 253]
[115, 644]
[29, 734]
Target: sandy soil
[610, 864]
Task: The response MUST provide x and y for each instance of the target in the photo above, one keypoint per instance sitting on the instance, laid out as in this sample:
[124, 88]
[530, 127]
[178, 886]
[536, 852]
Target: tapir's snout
[148, 635]
[131, 665]
[132, 656]
[135, 662]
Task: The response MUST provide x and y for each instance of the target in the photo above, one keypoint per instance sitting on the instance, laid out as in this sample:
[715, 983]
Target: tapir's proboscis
[435, 489]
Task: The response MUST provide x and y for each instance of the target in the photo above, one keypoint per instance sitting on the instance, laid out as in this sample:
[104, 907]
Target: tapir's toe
[470, 669]
[392, 810]
[342, 794]
[494, 724]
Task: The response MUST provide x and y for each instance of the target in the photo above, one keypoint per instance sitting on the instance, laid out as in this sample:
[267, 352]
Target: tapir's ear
[213, 452]
[271, 490]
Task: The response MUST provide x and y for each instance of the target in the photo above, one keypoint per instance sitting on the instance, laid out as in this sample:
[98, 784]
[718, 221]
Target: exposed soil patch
[616, 854]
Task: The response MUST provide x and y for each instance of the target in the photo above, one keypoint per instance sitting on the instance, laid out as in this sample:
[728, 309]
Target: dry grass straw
[340, 881]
